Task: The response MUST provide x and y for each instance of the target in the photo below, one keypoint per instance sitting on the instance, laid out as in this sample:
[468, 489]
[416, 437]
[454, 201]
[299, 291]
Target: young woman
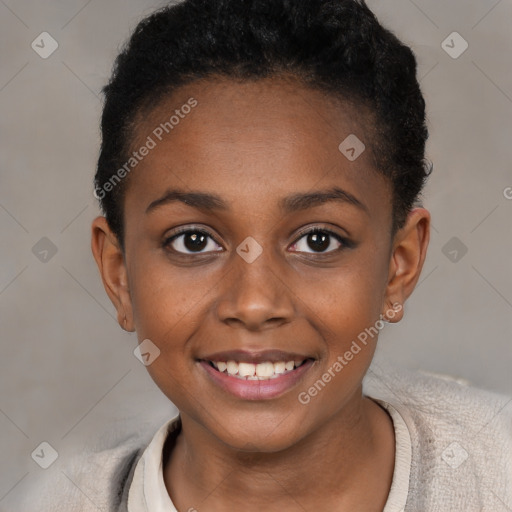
[259, 174]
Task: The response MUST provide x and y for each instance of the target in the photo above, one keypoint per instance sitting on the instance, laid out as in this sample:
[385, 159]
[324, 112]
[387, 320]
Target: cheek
[167, 305]
[346, 310]
[346, 314]
[347, 299]
[167, 301]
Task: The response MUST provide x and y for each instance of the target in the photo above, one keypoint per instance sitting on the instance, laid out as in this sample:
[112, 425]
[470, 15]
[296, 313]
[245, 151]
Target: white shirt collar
[148, 493]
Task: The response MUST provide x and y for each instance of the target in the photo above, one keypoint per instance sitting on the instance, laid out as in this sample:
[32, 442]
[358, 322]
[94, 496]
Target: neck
[348, 459]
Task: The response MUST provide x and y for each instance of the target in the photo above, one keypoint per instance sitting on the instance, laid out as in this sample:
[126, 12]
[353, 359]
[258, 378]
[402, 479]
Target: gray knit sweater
[460, 452]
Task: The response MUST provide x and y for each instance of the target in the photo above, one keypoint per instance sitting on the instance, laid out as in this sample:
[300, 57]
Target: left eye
[320, 241]
[192, 242]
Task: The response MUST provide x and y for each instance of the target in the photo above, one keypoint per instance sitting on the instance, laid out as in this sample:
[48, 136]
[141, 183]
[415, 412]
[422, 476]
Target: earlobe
[407, 258]
[111, 265]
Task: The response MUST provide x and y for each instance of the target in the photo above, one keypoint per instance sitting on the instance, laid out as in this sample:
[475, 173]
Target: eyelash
[345, 243]
[181, 231]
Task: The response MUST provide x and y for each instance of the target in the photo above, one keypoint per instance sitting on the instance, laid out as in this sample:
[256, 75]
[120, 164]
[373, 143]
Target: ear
[111, 264]
[408, 255]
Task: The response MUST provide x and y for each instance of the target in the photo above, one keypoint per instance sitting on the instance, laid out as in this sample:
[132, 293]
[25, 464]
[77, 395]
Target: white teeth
[261, 371]
[265, 370]
[232, 367]
[279, 367]
[246, 369]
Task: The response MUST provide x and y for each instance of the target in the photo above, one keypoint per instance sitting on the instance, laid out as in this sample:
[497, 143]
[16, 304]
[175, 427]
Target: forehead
[252, 141]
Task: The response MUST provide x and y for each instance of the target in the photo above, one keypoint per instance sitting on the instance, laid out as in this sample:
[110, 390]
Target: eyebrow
[298, 202]
[290, 204]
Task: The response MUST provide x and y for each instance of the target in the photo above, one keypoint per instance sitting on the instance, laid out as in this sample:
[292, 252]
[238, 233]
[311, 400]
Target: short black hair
[337, 46]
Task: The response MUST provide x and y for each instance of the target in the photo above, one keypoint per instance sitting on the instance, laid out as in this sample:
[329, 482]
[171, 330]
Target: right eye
[192, 241]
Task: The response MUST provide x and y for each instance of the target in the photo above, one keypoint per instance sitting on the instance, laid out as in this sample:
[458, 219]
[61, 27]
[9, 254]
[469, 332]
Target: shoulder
[94, 477]
[443, 401]
[461, 438]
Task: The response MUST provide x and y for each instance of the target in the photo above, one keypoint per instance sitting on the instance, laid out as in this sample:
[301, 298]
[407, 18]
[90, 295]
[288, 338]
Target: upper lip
[247, 356]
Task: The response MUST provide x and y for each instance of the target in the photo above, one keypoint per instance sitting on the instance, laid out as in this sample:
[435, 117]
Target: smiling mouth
[265, 370]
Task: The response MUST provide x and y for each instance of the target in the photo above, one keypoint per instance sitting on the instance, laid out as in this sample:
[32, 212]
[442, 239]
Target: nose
[254, 296]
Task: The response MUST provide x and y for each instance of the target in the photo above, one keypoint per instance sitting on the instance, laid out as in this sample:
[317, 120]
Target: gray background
[67, 370]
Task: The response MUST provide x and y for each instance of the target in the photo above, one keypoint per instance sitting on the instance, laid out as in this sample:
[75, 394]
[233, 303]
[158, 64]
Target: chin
[266, 434]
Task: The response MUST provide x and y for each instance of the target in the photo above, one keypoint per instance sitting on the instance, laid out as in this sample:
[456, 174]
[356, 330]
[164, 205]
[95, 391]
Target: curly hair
[337, 46]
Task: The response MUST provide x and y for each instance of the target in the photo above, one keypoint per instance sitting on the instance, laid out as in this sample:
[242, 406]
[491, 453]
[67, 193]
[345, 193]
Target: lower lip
[257, 389]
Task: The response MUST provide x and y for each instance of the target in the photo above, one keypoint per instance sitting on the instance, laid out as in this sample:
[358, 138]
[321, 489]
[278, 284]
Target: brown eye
[319, 241]
[192, 241]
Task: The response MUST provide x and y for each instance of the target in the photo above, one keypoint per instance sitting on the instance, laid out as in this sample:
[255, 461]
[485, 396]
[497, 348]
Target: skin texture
[253, 144]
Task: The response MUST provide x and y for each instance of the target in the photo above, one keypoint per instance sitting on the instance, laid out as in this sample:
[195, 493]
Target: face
[256, 254]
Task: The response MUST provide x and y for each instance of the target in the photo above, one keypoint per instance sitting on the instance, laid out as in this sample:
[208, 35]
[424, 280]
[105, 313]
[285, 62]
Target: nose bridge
[255, 294]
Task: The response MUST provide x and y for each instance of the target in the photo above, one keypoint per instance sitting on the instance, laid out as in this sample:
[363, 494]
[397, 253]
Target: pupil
[195, 241]
[318, 242]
